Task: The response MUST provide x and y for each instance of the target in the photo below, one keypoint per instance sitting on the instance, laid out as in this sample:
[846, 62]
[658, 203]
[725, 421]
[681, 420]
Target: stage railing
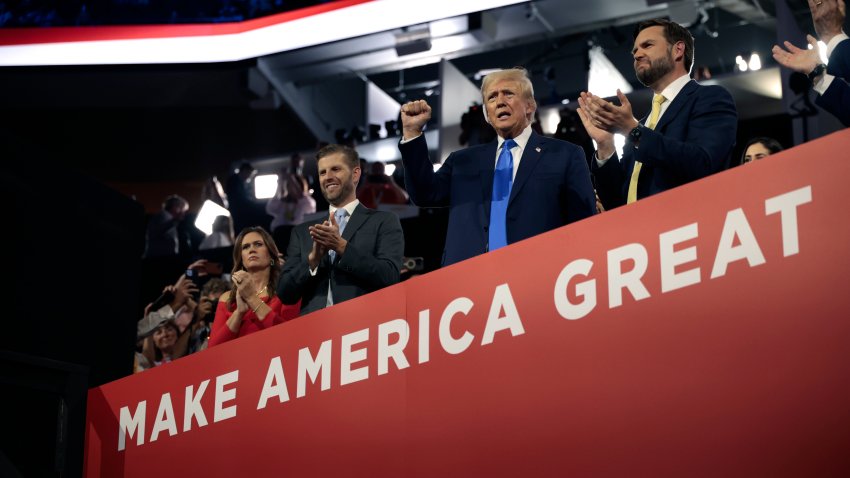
[703, 331]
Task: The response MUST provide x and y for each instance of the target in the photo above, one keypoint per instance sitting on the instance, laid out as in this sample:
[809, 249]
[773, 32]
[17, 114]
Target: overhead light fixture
[482, 73]
[413, 41]
[755, 62]
[748, 61]
[741, 63]
[604, 78]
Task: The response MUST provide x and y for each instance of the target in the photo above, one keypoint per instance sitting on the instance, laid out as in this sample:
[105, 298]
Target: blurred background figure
[244, 209]
[251, 304]
[758, 148]
[160, 339]
[165, 236]
[214, 191]
[474, 127]
[221, 236]
[296, 168]
[570, 129]
[166, 306]
[183, 306]
[364, 168]
[210, 294]
[290, 204]
[379, 188]
[161, 347]
[702, 72]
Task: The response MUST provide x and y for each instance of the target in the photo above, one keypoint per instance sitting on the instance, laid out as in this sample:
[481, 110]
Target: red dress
[280, 313]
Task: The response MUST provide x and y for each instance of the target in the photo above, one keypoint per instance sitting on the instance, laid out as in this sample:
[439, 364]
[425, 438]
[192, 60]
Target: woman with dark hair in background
[758, 148]
[251, 304]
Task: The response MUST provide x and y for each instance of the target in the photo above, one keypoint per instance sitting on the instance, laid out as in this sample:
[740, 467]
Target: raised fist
[414, 115]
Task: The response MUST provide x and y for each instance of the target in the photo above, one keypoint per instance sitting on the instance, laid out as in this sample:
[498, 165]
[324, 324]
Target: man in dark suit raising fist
[499, 193]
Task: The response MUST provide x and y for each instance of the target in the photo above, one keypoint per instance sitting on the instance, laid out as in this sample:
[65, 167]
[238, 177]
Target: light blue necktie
[502, 182]
[341, 216]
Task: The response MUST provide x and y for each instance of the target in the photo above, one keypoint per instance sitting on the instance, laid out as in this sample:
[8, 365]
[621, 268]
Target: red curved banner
[699, 332]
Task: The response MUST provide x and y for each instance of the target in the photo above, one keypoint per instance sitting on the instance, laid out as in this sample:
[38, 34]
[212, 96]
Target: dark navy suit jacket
[693, 139]
[552, 188]
[372, 261]
[836, 98]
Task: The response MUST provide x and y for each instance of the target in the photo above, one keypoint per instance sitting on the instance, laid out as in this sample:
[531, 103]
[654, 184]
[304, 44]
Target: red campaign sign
[703, 331]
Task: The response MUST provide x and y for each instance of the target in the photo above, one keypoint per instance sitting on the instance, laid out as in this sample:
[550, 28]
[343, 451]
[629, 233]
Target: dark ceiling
[185, 122]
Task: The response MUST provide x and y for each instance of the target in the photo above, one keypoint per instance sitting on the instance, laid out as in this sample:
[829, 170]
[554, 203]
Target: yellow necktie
[653, 119]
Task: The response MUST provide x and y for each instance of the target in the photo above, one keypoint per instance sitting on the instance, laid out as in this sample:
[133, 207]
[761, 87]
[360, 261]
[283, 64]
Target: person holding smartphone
[251, 304]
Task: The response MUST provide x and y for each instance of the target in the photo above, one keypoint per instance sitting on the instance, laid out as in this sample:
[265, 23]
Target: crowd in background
[182, 319]
[229, 292]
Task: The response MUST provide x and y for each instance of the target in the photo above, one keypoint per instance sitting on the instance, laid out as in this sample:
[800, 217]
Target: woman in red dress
[251, 304]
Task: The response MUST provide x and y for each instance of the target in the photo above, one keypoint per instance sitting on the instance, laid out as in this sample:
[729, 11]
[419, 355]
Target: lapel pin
[537, 149]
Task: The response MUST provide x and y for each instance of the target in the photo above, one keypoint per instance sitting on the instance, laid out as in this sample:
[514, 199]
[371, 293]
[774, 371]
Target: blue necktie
[502, 181]
[341, 216]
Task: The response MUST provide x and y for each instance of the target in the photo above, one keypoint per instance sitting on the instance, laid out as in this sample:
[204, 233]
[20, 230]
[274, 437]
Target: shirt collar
[675, 87]
[521, 139]
[350, 207]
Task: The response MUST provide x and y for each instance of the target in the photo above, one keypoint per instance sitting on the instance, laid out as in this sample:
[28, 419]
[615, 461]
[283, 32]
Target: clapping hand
[798, 59]
[327, 236]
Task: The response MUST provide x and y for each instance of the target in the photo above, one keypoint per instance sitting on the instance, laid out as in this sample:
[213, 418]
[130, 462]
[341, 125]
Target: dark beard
[656, 70]
[344, 190]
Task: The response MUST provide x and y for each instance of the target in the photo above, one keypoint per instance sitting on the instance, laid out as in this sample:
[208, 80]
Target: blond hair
[517, 74]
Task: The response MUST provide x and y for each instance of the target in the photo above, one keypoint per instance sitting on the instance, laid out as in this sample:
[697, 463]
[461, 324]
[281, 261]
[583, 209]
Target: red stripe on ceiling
[35, 35]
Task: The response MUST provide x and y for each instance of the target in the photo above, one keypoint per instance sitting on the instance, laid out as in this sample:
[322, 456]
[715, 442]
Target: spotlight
[741, 63]
[748, 61]
[265, 186]
[206, 216]
[822, 51]
[755, 62]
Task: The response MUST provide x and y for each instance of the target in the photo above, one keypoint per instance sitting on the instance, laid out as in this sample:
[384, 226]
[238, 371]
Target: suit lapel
[530, 157]
[361, 213]
[487, 167]
[677, 104]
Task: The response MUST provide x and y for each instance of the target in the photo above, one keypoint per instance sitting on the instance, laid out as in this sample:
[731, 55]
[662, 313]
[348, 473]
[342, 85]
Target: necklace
[262, 290]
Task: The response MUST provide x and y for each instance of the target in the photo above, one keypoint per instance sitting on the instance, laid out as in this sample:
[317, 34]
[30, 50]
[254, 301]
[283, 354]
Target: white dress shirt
[826, 79]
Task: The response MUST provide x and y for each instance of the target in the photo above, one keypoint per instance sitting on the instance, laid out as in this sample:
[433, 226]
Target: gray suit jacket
[372, 261]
